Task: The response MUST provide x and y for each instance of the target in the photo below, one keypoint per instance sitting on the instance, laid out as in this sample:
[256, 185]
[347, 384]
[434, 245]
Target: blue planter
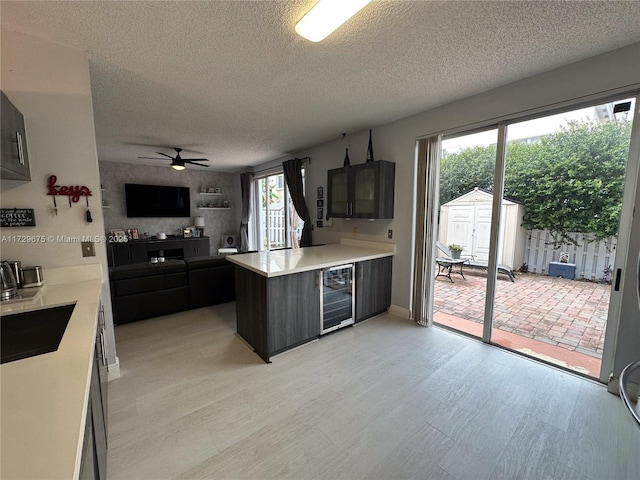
[564, 270]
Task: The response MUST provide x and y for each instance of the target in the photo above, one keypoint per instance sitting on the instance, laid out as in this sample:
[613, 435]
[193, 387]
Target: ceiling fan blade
[194, 163]
[168, 156]
[196, 159]
[152, 158]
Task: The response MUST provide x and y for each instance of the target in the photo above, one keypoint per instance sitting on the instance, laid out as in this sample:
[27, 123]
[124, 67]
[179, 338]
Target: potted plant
[455, 250]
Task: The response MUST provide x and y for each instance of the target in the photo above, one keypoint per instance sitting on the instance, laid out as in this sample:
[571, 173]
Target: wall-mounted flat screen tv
[157, 201]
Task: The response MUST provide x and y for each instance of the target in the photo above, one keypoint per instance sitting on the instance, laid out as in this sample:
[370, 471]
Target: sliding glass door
[276, 223]
[536, 207]
[464, 221]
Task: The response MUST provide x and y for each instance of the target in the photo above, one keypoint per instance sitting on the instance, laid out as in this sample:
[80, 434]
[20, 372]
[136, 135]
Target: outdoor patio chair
[472, 262]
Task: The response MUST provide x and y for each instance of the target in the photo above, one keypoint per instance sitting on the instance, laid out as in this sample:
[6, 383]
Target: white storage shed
[466, 221]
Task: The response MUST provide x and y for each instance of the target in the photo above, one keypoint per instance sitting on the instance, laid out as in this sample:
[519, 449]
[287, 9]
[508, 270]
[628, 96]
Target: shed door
[470, 226]
[460, 228]
[482, 230]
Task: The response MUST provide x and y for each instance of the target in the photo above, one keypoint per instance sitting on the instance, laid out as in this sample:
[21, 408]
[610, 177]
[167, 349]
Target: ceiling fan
[178, 162]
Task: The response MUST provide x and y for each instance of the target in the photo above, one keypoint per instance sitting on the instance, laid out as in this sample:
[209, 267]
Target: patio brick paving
[566, 313]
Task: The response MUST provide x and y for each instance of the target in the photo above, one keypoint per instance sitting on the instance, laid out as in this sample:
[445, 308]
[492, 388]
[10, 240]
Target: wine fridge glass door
[336, 298]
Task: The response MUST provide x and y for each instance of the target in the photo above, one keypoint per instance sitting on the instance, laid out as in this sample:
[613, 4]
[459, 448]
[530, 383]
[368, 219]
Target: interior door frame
[622, 249]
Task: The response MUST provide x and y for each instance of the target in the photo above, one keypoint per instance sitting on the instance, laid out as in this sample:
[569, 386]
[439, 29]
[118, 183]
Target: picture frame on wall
[320, 213]
[319, 203]
[320, 193]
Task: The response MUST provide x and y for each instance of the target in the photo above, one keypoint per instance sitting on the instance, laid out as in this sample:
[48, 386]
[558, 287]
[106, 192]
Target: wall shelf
[214, 208]
[201, 193]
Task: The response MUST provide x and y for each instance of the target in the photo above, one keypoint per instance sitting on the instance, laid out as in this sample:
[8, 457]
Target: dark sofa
[145, 290]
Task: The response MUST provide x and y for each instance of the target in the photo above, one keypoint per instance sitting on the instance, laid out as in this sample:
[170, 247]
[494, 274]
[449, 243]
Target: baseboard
[401, 312]
[113, 370]
[614, 387]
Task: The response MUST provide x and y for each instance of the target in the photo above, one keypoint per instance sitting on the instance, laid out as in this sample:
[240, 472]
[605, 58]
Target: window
[276, 223]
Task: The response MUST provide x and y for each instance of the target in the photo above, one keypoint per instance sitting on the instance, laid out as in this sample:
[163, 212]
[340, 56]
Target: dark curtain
[245, 189]
[293, 177]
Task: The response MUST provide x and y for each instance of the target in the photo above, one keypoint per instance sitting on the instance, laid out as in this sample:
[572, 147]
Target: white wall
[49, 84]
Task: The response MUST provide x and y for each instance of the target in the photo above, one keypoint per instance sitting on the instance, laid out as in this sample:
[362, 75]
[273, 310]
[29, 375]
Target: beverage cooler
[337, 304]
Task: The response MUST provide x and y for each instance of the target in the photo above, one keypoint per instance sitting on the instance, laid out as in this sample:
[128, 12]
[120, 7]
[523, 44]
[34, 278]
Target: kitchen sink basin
[28, 334]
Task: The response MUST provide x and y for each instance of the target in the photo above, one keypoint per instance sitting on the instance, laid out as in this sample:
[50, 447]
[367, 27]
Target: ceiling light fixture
[326, 16]
[177, 165]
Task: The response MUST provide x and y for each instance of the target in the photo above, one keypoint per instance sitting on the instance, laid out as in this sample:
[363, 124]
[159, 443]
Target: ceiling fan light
[177, 166]
[326, 16]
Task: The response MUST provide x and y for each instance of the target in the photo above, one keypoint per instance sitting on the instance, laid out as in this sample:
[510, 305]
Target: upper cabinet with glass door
[365, 190]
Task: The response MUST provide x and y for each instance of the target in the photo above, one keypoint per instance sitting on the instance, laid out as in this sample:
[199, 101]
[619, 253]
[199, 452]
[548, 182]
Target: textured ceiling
[231, 80]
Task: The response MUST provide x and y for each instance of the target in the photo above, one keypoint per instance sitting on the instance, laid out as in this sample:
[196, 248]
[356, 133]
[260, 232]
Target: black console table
[138, 251]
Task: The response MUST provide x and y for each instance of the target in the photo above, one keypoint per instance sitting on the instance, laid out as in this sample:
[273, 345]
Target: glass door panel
[339, 185]
[560, 233]
[364, 193]
[464, 221]
[271, 217]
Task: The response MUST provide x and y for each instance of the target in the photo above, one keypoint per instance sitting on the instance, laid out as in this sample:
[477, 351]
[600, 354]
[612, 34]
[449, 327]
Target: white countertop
[285, 262]
[44, 398]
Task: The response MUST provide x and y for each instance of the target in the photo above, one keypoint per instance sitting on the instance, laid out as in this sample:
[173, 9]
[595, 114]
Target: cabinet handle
[104, 352]
[20, 151]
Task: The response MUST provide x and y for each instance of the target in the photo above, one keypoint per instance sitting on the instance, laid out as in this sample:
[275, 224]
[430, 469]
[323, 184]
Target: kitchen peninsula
[278, 294]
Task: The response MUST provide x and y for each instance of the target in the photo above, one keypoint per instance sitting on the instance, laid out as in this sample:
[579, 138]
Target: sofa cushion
[146, 269]
[143, 277]
[130, 308]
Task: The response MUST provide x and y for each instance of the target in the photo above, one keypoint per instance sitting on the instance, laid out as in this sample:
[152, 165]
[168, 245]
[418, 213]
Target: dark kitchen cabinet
[275, 314]
[127, 253]
[94, 447]
[14, 159]
[197, 247]
[365, 190]
[140, 251]
[373, 287]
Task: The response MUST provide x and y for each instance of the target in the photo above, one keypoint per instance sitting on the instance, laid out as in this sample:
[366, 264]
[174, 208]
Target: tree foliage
[571, 181]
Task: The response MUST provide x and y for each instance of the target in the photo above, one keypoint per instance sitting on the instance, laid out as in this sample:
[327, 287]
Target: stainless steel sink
[28, 334]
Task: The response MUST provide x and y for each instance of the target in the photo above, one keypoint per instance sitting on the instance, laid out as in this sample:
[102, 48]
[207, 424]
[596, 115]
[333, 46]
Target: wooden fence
[277, 230]
[592, 259]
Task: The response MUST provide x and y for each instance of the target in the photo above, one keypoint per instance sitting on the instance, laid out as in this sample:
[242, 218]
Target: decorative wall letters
[74, 192]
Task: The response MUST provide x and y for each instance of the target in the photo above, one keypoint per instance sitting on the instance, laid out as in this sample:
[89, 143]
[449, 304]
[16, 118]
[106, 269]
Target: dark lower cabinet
[140, 251]
[275, 314]
[373, 287]
[94, 448]
[196, 248]
[125, 253]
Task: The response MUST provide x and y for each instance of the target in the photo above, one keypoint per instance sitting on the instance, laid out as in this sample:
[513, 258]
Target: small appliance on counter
[32, 276]
[16, 268]
[8, 280]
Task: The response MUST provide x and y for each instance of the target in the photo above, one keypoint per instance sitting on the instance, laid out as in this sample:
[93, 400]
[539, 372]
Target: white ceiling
[232, 81]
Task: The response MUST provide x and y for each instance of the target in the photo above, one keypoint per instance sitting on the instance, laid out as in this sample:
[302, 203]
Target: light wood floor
[383, 400]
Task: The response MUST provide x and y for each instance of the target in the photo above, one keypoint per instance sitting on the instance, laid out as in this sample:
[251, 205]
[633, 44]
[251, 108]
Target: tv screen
[157, 201]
